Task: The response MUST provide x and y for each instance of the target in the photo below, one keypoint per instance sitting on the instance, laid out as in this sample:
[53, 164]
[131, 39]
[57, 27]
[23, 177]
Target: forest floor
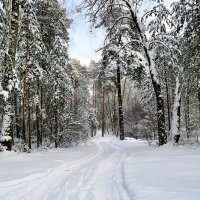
[103, 169]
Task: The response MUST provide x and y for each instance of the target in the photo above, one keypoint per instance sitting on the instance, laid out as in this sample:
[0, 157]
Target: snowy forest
[124, 127]
[147, 84]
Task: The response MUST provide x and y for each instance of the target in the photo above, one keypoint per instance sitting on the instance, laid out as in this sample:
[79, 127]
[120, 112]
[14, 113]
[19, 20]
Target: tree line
[147, 84]
[152, 54]
[44, 94]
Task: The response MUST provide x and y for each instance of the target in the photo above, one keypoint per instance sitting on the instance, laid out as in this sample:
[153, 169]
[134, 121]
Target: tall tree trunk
[124, 91]
[41, 115]
[17, 121]
[93, 126]
[198, 103]
[175, 124]
[6, 132]
[162, 135]
[56, 127]
[95, 106]
[187, 112]
[24, 120]
[103, 111]
[168, 101]
[38, 115]
[40, 95]
[94, 109]
[93, 95]
[198, 93]
[76, 84]
[110, 114]
[114, 115]
[121, 115]
[29, 117]
[26, 69]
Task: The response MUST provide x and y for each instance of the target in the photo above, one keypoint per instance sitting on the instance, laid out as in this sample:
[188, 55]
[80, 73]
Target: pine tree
[9, 77]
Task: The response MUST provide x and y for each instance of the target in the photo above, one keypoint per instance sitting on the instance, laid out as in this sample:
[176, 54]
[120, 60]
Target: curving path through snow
[96, 174]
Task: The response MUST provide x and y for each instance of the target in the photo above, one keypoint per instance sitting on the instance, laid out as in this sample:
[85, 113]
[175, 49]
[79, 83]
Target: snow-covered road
[96, 172]
[104, 169]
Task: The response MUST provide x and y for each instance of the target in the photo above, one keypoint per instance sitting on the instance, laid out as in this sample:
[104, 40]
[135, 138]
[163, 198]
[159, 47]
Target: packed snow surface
[103, 169]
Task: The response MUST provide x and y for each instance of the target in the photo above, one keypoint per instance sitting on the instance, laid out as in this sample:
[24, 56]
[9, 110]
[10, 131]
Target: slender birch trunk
[175, 123]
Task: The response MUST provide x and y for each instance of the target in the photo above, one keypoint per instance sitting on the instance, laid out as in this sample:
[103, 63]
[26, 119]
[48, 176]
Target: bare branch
[119, 19]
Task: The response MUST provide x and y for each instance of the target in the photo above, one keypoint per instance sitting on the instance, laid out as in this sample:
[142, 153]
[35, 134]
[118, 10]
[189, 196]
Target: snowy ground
[104, 169]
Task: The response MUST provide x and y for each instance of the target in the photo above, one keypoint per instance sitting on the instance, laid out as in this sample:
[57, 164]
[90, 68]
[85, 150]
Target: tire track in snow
[38, 183]
[92, 186]
[55, 189]
[100, 184]
[80, 186]
[100, 176]
[57, 183]
[31, 185]
[120, 182]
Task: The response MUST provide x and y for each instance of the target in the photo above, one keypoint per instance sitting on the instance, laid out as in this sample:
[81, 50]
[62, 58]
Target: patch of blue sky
[83, 43]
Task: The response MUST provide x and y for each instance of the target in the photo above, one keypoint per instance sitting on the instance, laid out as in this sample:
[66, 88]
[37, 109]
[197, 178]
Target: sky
[83, 43]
